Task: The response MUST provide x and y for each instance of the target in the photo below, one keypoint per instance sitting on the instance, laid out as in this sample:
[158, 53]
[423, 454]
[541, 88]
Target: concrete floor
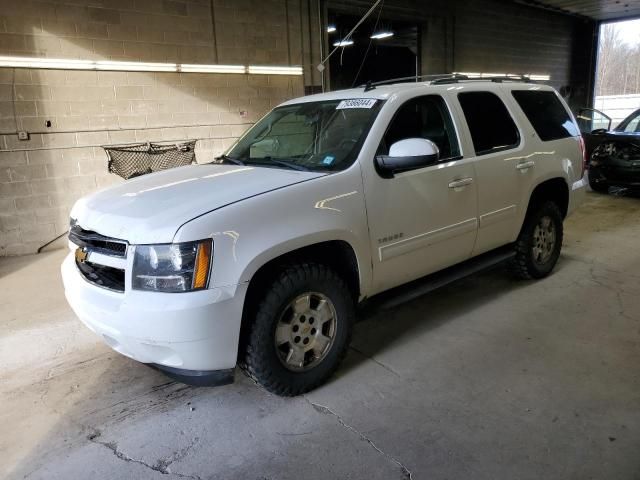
[485, 379]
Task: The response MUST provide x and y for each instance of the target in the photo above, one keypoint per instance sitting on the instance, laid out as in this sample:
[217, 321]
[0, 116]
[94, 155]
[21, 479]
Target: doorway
[378, 50]
[617, 92]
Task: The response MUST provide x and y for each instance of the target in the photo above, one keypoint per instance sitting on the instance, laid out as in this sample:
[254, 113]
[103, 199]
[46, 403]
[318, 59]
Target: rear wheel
[301, 330]
[538, 246]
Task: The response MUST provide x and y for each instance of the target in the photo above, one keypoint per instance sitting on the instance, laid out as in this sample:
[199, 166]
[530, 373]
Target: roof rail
[444, 78]
[414, 78]
[496, 79]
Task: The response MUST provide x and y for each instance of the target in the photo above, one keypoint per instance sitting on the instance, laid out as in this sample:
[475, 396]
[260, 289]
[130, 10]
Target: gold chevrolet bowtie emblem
[81, 255]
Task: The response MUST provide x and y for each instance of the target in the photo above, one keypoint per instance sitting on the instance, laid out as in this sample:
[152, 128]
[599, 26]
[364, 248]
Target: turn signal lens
[203, 260]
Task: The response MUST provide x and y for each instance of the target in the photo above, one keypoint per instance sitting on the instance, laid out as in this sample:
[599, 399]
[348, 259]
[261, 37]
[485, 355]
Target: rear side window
[547, 115]
[492, 128]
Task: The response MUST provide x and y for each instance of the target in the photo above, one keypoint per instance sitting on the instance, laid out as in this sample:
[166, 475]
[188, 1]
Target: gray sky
[629, 31]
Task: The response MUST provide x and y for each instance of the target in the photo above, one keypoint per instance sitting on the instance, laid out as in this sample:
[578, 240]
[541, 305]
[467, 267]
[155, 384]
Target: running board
[412, 290]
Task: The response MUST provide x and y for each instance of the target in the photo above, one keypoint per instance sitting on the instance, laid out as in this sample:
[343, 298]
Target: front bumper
[619, 176]
[179, 332]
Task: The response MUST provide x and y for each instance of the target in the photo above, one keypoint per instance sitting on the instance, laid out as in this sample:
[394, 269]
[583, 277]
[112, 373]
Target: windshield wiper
[282, 163]
[228, 159]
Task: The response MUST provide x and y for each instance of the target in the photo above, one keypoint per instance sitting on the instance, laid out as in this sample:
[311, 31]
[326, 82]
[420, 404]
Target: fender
[276, 251]
[548, 170]
[248, 234]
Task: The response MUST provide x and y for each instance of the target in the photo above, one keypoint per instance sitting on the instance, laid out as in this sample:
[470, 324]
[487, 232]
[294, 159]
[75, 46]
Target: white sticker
[356, 103]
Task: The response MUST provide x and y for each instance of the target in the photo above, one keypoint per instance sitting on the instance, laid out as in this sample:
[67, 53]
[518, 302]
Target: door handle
[525, 165]
[463, 182]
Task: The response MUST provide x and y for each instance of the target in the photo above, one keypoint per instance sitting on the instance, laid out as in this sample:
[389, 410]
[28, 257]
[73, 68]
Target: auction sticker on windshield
[356, 103]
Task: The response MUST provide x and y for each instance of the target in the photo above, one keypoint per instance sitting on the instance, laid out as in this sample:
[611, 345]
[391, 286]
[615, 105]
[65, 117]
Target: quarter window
[423, 117]
[547, 115]
[492, 128]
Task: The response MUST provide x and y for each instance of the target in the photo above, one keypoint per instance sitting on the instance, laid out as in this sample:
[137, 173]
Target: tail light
[583, 149]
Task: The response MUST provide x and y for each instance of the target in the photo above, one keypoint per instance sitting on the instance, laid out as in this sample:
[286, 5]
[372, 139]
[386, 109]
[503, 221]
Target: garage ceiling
[595, 9]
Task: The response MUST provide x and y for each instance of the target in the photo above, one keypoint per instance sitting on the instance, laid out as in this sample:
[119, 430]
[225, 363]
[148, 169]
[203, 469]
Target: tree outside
[618, 73]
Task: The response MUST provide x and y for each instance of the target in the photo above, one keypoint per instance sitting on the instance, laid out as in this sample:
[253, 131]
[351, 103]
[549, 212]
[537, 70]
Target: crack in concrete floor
[161, 466]
[406, 473]
[375, 360]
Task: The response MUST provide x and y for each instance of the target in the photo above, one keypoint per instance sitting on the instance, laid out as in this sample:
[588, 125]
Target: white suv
[261, 257]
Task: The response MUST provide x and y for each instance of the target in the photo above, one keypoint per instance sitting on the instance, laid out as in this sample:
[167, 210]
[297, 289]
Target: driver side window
[423, 117]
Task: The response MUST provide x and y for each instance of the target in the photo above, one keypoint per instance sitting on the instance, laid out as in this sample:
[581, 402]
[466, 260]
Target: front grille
[98, 243]
[89, 242]
[103, 276]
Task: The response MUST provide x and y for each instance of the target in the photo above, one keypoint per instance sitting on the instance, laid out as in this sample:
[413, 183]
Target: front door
[426, 219]
[593, 126]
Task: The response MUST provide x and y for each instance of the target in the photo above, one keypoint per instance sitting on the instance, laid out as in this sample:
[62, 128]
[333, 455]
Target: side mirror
[599, 131]
[407, 154]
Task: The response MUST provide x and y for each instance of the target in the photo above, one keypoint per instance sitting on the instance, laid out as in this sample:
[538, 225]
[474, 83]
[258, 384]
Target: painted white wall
[617, 106]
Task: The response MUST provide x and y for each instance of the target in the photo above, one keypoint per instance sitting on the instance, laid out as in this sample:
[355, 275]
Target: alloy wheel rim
[544, 240]
[305, 331]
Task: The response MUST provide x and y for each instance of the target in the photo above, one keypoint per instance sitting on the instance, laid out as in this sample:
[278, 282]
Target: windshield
[631, 124]
[320, 136]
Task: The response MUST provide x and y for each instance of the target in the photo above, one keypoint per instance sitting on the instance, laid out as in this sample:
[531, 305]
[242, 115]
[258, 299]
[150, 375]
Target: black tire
[596, 182]
[525, 264]
[263, 361]
[599, 187]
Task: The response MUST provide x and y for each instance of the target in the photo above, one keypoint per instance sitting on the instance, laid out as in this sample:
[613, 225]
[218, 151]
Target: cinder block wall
[493, 36]
[42, 177]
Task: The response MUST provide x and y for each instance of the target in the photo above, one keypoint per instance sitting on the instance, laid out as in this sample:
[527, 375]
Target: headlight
[176, 267]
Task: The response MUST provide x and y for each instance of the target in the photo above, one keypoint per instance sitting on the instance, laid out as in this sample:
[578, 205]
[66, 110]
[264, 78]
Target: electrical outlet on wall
[22, 135]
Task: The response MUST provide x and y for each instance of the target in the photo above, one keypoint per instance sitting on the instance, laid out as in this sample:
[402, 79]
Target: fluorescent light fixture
[108, 65]
[259, 70]
[195, 68]
[33, 62]
[331, 28]
[542, 78]
[531, 76]
[381, 35]
[135, 66]
[343, 43]
[70, 64]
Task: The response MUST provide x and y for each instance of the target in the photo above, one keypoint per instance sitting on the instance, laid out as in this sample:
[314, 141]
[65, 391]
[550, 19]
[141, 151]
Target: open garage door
[379, 50]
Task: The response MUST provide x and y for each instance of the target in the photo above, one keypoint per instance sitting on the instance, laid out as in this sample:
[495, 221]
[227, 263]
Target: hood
[618, 135]
[151, 208]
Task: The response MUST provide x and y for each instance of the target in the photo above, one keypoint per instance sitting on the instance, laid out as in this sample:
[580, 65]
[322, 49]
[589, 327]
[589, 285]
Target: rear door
[502, 167]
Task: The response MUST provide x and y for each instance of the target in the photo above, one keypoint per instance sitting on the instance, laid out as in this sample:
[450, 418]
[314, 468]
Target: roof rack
[414, 78]
[496, 79]
[444, 78]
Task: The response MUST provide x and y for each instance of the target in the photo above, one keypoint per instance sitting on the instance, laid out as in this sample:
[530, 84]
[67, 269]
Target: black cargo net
[134, 160]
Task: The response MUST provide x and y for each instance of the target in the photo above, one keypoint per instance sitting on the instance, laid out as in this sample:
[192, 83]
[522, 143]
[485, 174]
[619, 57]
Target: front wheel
[599, 187]
[596, 182]
[301, 330]
[538, 246]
